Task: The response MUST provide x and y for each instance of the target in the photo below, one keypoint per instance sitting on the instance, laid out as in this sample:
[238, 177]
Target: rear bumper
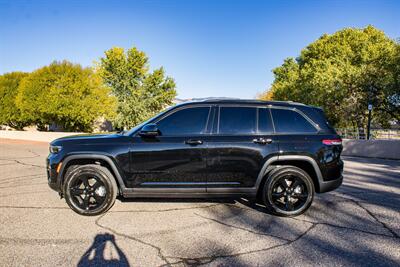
[326, 186]
[333, 178]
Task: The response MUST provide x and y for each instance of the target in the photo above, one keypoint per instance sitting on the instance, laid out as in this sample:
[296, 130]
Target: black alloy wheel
[89, 189]
[88, 192]
[288, 191]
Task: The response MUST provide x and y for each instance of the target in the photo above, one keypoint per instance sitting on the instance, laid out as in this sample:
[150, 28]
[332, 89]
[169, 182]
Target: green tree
[140, 93]
[65, 94]
[342, 73]
[10, 114]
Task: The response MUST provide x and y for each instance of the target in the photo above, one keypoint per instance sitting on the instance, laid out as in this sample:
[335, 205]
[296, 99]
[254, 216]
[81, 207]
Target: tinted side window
[185, 122]
[264, 121]
[289, 121]
[237, 120]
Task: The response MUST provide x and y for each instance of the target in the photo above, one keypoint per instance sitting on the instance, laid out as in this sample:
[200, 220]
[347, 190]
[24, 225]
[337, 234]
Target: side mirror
[149, 130]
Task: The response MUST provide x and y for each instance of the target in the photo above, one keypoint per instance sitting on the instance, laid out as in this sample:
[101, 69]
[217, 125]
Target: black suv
[279, 152]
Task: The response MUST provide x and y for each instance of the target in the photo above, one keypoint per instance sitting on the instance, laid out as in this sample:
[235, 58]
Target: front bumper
[51, 169]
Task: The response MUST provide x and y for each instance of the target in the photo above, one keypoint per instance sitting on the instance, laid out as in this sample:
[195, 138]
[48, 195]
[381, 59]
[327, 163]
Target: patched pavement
[358, 224]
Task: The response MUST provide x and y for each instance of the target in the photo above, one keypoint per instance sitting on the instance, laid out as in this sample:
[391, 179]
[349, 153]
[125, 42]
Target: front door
[175, 158]
[242, 141]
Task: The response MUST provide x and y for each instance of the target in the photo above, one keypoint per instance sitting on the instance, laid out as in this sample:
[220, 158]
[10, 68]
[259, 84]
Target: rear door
[242, 141]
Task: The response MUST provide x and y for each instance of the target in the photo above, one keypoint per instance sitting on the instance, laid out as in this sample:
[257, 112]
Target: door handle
[262, 141]
[193, 142]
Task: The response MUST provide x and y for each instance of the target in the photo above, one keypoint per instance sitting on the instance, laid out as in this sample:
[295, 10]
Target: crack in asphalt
[341, 226]
[5, 164]
[19, 180]
[348, 194]
[24, 193]
[35, 241]
[35, 155]
[325, 223]
[22, 176]
[23, 163]
[370, 213]
[376, 219]
[159, 252]
[28, 164]
[200, 260]
[209, 259]
[33, 207]
[159, 249]
[22, 185]
[242, 228]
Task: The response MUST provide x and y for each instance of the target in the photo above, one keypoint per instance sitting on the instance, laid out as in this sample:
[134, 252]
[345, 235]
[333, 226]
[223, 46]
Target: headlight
[55, 149]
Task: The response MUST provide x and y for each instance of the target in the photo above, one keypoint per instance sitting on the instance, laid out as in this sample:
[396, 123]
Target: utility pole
[369, 120]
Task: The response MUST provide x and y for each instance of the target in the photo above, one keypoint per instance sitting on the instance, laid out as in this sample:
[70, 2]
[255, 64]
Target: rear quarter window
[290, 121]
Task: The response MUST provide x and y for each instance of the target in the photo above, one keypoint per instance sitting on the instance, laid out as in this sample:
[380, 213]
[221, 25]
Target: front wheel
[89, 189]
[288, 191]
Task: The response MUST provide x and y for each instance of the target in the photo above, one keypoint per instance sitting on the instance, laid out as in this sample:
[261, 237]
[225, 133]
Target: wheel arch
[83, 159]
[306, 163]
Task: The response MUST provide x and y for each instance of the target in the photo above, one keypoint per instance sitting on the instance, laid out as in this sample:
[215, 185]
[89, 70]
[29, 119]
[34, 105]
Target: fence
[376, 134]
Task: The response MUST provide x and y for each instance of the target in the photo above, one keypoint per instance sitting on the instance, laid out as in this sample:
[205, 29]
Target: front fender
[106, 158]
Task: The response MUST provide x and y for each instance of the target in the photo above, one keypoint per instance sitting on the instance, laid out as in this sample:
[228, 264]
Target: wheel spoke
[284, 183]
[295, 183]
[96, 185]
[76, 191]
[277, 195]
[86, 202]
[288, 204]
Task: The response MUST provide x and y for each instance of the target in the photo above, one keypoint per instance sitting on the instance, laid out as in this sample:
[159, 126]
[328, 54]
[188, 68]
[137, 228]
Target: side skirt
[188, 192]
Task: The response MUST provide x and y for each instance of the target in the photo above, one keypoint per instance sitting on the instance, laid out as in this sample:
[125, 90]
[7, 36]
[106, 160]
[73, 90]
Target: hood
[85, 138]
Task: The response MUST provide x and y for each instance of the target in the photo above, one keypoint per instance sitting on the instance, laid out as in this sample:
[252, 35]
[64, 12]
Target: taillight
[332, 142]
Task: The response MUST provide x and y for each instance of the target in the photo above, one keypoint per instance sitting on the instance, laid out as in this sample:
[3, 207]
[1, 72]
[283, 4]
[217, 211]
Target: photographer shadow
[94, 256]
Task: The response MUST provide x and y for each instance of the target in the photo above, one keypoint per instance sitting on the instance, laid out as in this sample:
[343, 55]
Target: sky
[214, 48]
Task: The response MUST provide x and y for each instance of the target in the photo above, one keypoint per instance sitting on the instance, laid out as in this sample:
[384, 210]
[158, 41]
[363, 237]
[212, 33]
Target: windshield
[137, 127]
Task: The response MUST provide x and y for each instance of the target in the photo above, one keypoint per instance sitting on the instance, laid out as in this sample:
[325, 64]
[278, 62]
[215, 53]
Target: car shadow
[94, 255]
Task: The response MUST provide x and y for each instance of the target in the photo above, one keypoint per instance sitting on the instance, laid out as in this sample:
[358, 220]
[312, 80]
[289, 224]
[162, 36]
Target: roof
[226, 100]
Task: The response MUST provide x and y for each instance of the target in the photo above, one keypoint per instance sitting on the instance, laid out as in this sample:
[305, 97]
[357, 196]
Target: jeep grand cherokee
[280, 152]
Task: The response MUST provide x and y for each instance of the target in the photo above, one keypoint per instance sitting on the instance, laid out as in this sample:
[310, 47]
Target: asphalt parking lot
[358, 225]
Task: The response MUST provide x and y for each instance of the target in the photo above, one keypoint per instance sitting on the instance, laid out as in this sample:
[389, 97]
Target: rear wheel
[89, 189]
[288, 191]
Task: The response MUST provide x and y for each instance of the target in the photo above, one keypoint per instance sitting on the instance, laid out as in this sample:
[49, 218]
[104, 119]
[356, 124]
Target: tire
[89, 190]
[288, 191]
